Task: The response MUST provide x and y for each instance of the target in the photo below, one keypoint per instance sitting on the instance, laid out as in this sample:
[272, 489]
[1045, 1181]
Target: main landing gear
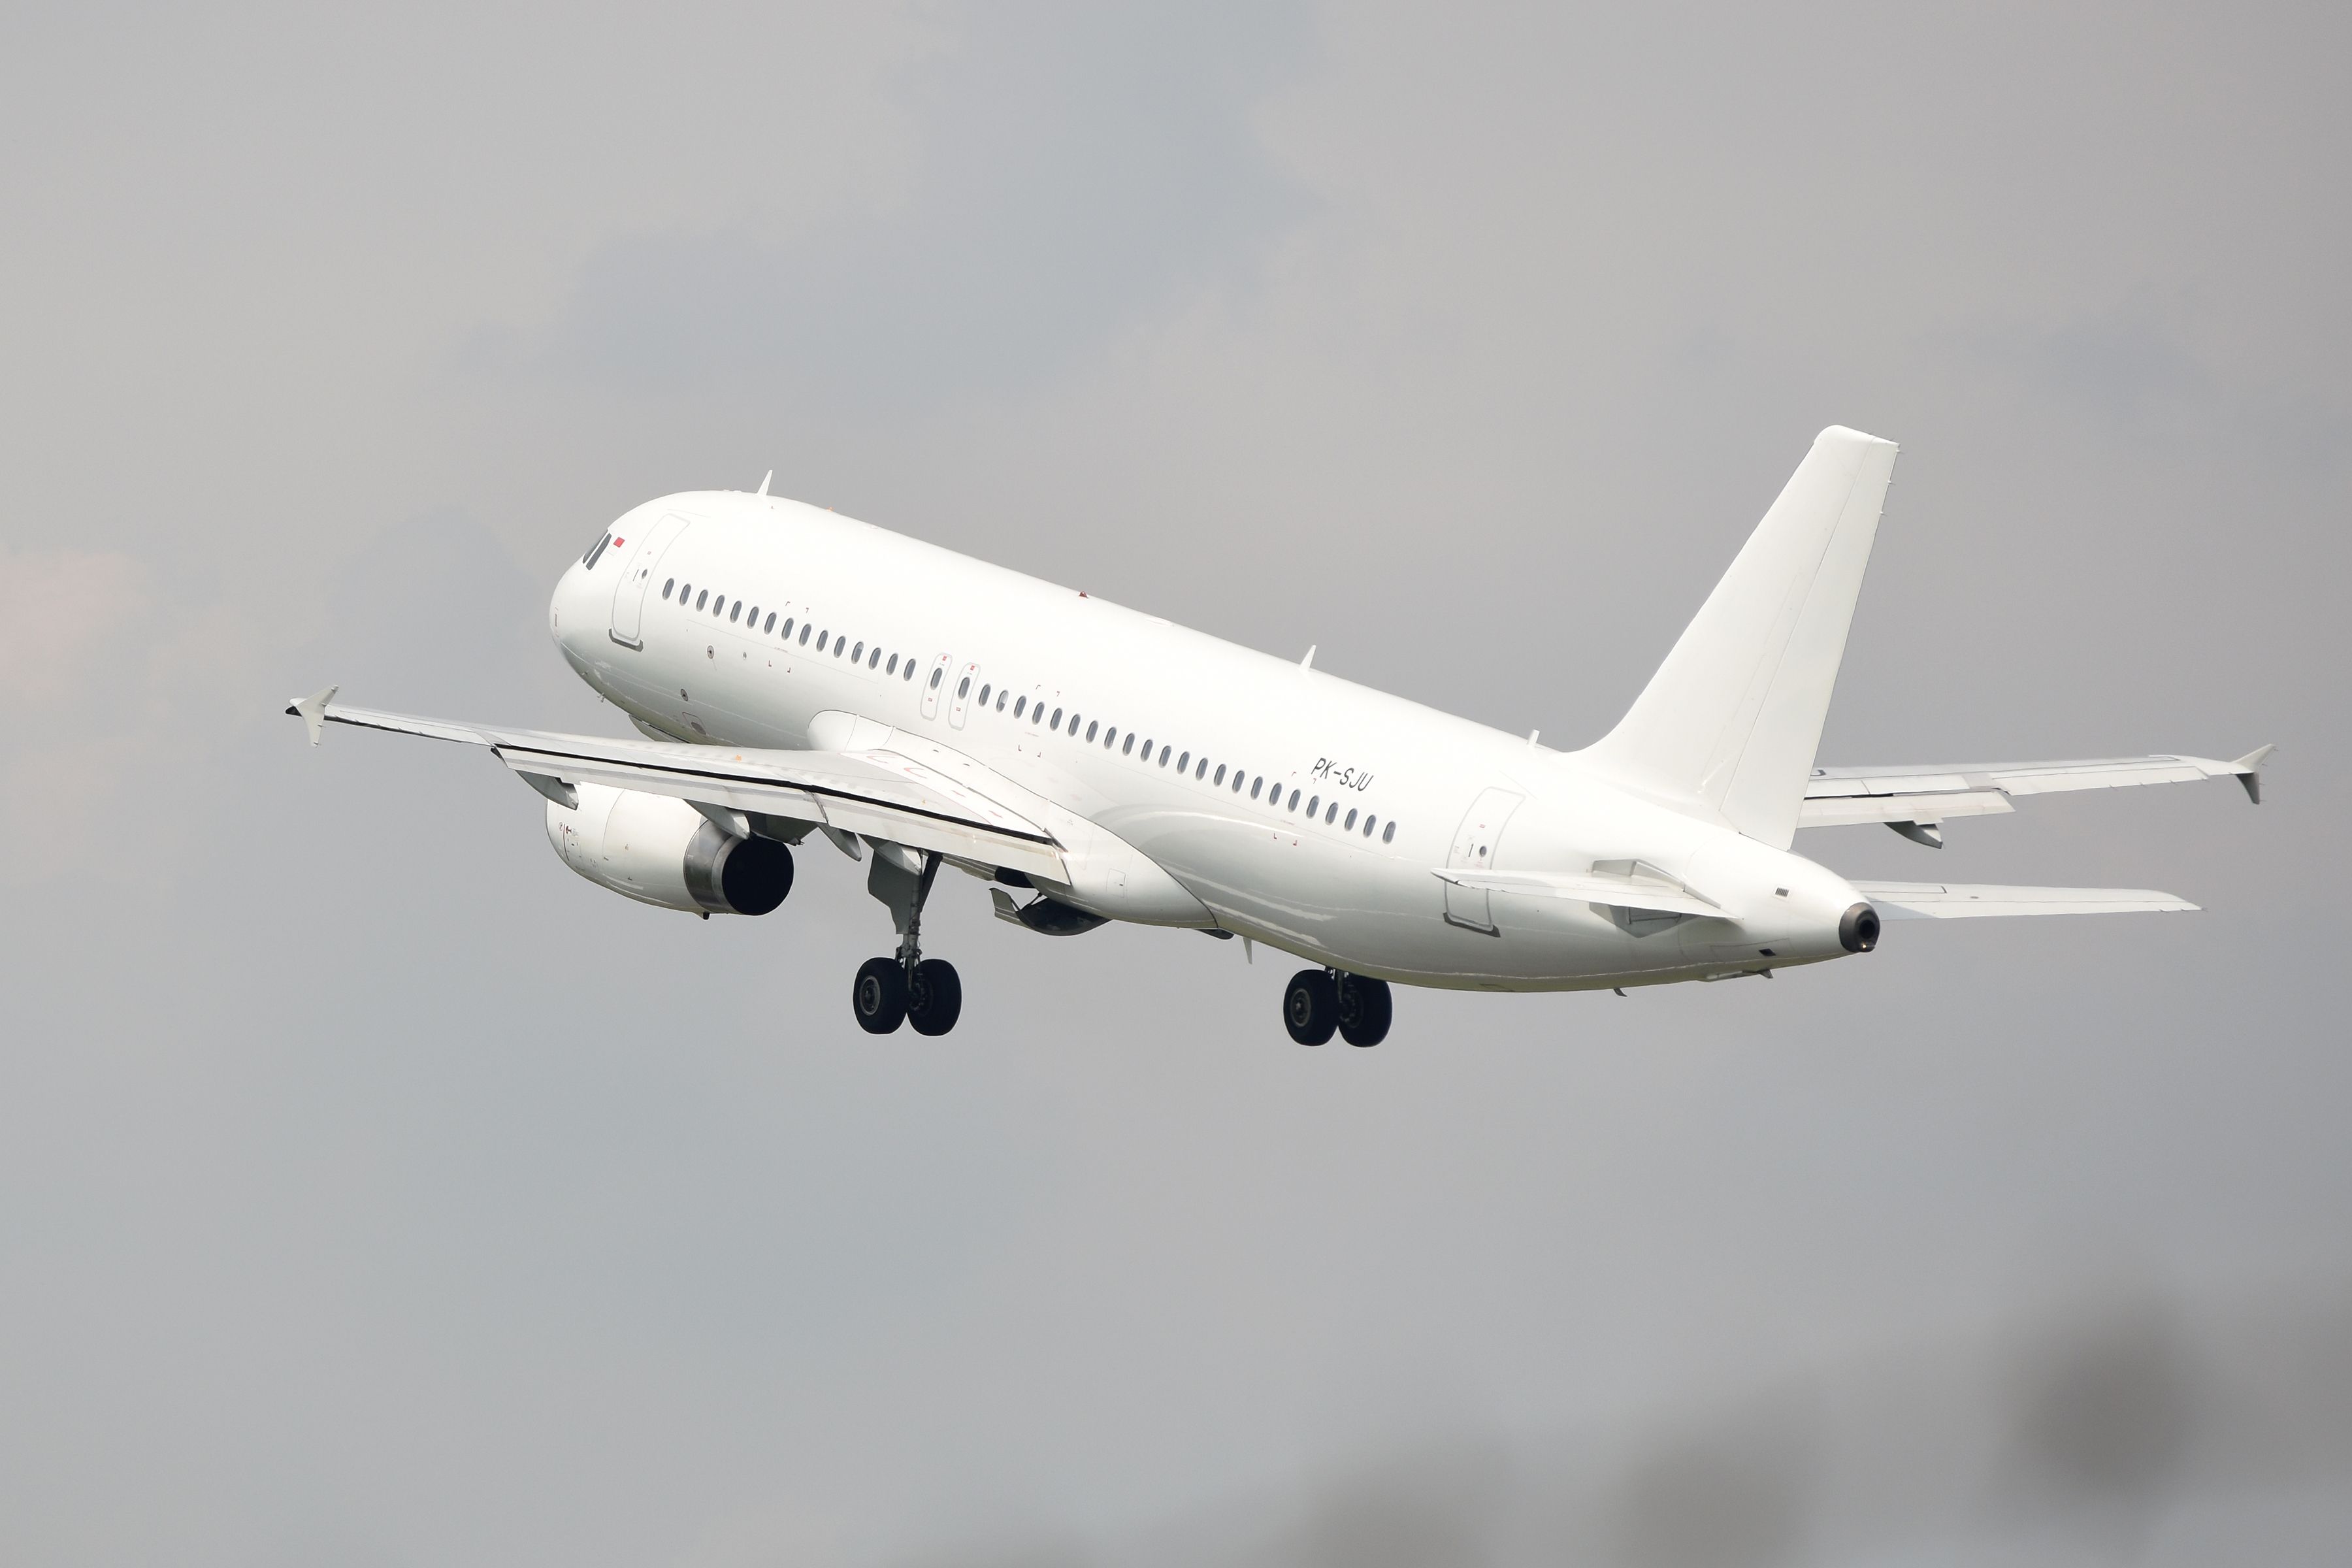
[905, 987]
[1319, 1001]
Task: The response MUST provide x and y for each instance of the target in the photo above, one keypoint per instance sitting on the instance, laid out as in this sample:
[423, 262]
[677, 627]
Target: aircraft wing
[1925, 795]
[880, 794]
[1958, 901]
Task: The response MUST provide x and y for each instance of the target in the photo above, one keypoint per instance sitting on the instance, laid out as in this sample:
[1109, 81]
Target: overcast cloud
[374, 1190]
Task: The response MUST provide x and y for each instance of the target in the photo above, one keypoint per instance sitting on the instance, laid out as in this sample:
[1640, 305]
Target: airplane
[794, 672]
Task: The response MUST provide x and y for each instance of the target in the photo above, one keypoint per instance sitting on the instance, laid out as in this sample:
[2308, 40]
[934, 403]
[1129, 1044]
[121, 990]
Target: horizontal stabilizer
[1960, 901]
[1650, 895]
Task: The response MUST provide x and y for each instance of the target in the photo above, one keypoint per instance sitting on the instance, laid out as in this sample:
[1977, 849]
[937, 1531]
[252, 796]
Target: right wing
[877, 794]
[1956, 901]
[1925, 795]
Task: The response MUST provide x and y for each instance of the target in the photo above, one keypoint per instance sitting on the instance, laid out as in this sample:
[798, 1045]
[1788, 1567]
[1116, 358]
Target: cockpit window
[588, 557]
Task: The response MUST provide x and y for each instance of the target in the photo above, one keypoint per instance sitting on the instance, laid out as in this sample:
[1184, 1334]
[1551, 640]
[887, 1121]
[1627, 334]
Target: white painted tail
[1731, 721]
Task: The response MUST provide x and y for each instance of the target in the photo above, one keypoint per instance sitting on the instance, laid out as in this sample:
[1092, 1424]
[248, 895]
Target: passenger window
[771, 622]
[858, 652]
[874, 659]
[1090, 730]
[1128, 749]
[1237, 781]
[963, 688]
[1056, 724]
[1293, 800]
[1109, 736]
[936, 676]
[1074, 720]
[1256, 784]
[1020, 706]
[703, 599]
[1350, 823]
[753, 619]
[1220, 775]
[668, 586]
[1000, 701]
[1163, 756]
[788, 629]
[1331, 811]
[1312, 802]
[907, 673]
[805, 629]
[1371, 822]
[1183, 761]
[894, 666]
[984, 694]
[739, 613]
[1387, 834]
[839, 642]
[718, 607]
[1202, 771]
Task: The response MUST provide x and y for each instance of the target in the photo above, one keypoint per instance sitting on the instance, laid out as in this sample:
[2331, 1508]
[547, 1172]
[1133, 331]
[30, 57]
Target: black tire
[1365, 1010]
[879, 996]
[935, 1001]
[1310, 1007]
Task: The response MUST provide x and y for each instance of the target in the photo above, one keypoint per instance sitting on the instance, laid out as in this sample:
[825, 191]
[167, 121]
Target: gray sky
[374, 1190]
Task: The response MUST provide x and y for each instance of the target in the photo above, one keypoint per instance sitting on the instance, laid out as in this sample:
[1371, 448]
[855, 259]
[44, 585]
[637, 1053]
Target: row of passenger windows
[738, 613]
[1127, 746]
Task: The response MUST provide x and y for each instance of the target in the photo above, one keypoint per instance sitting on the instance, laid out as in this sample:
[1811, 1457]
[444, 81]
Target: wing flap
[880, 794]
[1962, 901]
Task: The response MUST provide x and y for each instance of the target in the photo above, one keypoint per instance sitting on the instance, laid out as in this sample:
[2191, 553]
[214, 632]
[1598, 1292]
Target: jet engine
[662, 851]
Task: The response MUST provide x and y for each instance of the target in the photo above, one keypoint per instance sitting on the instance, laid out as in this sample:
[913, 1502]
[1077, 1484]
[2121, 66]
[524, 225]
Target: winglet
[2250, 771]
[312, 710]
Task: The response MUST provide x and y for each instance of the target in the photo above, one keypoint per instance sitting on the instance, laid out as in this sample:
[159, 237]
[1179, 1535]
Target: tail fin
[1734, 715]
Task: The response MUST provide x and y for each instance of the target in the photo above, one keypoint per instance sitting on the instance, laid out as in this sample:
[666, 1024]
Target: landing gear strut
[1319, 1003]
[905, 987]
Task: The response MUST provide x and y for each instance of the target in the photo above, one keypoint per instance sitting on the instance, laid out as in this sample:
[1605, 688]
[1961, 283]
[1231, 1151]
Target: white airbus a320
[795, 672]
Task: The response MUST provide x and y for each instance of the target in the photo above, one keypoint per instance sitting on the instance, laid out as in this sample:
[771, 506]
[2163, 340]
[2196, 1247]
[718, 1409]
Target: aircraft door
[967, 681]
[636, 580]
[941, 669]
[1474, 843]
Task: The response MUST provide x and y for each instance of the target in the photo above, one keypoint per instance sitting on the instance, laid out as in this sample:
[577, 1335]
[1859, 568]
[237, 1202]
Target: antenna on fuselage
[763, 483]
[1308, 662]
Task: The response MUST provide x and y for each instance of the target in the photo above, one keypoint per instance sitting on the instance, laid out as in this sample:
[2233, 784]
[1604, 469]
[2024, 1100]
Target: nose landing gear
[1319, 1003]
[905, 987]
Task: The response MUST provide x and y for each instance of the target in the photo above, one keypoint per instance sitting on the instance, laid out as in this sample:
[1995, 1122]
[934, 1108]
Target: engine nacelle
[662, 851]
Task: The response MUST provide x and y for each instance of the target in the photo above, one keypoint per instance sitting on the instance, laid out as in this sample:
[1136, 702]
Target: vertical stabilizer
[1732, 718]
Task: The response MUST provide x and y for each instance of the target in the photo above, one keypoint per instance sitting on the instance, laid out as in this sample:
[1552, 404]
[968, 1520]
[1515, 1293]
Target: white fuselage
[1348, 800]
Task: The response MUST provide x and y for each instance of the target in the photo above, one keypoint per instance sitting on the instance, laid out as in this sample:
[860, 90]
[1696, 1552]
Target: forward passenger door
[636, 580]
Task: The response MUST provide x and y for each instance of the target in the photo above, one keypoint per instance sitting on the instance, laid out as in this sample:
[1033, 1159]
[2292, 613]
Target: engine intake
[663, 852]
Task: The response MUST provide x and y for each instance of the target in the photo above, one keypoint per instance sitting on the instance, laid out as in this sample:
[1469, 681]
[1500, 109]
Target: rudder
[1733, 717]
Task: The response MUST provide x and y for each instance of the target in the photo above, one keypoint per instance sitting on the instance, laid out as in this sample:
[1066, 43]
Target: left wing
[878, 793]
[1956, 901]
[1918, 799]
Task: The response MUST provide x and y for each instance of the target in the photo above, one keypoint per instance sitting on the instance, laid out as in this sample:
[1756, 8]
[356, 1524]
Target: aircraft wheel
[880, 996]
[1365, 1010]
[1310, 1007]
[935, 999]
